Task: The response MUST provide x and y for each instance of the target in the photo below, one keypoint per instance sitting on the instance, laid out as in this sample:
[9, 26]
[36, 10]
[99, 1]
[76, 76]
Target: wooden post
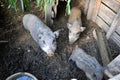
[114, 67]
[96, 9]
[103, 46]
[118, 1]
[3, 41]
[90, 9]
[115, 37]
[117, 77]
[113, 25]
[108, 74]
[86, 7]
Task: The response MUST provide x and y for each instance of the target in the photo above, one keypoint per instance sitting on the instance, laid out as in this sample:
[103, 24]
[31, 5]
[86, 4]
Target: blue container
[22, 76]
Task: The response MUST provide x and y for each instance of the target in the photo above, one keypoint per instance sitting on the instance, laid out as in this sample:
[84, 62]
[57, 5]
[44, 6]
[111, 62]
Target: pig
[75, 25]
[87, 63]
[41, 33]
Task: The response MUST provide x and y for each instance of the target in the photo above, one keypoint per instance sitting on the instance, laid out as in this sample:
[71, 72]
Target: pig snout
[73, 38]
[71, 41]
[50, 53]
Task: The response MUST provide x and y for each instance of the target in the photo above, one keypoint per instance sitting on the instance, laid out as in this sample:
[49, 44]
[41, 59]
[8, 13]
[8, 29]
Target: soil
[20, 53]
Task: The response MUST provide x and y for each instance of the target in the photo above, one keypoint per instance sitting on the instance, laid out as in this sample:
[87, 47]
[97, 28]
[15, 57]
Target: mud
[21, 53]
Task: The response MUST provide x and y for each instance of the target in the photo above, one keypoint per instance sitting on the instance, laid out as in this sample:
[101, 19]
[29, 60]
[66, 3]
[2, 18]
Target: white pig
[41, 33]
[75, 25]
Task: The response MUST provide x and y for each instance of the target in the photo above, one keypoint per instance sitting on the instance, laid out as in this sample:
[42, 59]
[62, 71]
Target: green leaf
[22, 5]
[38, 2]
[68, 7]
[27, 4]
[12, 4]
[51, 1]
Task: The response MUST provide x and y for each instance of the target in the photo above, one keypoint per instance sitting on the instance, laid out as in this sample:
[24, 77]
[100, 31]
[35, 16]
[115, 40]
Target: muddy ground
[19, 52]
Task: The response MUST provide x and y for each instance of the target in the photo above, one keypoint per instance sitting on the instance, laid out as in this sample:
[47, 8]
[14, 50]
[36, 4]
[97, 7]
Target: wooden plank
[113, 4]
[114, 66]
[103, 47]
[108, 12]
[86, 7]
[105, 27]
[3, 41]
[117, 77]
[118, 1]
[108, 20]
[90, 9]
[113, 25]
[105, 17]
[96, 9]
[115, 37]
[108, 74]
[102, 24]
[118, 28]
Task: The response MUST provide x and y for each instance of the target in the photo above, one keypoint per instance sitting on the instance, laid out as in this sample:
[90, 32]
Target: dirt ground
[21, 54]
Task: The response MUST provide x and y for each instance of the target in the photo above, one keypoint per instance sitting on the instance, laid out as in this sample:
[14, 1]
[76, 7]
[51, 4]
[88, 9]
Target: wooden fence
[106, 13]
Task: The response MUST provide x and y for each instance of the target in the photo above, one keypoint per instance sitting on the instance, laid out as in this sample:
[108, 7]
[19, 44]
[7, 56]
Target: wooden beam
[3, 41]
[103, 47]
[113, 4]
[113, 25]
[117, 77]
[115, 37]
[107, 73]
[106, 14]
[90, 9]
[86, 7]
[96, 9]
[118, 29]
[114, 66]
[118, 1]
[105, 17]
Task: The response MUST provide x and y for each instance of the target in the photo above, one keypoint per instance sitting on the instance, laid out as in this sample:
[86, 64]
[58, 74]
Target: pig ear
[82, 28]
[56, 33]
[69, 25]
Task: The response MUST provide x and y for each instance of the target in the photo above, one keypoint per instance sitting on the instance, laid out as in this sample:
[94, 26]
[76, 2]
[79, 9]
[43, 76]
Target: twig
[3, 41]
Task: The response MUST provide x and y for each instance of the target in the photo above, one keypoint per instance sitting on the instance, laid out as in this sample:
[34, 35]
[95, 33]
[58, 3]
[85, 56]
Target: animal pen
[101, 39]
[106, 13]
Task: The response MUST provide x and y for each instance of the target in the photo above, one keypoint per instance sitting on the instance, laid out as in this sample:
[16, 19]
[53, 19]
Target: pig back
[78, 3]
[36, 27]
[75, 15]
[32, 22]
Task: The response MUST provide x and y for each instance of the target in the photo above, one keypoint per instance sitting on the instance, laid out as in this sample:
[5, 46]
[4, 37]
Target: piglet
[41, 33]
[87, 63]
[75, 25]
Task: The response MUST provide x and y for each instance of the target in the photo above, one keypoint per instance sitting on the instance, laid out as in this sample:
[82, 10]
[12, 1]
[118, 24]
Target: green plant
[68, 7]
[12, 4]
[24, 3]
[43, 3]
